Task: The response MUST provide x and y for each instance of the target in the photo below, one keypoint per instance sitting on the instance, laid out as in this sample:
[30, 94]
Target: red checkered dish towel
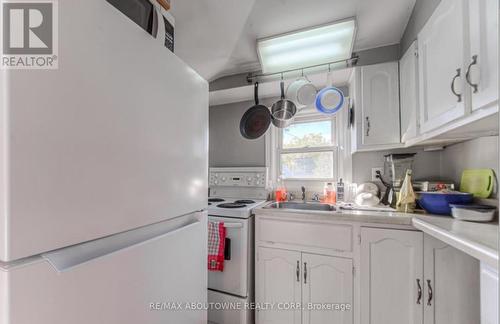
[216, 245]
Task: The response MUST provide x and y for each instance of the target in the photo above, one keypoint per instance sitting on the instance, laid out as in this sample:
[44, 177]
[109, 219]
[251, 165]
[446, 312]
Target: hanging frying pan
[256, 120]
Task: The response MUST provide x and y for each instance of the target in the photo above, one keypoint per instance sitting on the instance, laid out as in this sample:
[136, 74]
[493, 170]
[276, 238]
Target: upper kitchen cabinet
[482, 70]
[375, 91]
[458, 80]
[408, 93]
[441, 45]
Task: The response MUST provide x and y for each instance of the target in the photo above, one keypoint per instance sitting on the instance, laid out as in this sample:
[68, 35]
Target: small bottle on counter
[406, 200]
[280, 191]
[340, 191]
[329, 193]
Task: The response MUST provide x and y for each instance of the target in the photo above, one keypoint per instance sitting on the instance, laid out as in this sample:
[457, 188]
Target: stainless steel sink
[300, 206]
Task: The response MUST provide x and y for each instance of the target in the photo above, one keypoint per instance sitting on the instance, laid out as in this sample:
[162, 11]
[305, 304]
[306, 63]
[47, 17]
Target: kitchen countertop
[479, 240]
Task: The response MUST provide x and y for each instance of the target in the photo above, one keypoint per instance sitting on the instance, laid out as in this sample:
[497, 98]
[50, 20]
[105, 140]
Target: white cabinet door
[408, 90]
[451, 287]
[278, 281]
[483, 59]
[489, 295]
[326, 281]
[441, 56]
[380, 104]
[391, 272]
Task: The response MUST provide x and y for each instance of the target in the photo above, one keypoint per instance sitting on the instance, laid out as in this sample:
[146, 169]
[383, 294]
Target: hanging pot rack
[251, 77]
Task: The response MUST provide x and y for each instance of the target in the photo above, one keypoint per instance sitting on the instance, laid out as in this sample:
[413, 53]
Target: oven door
[142, 12]
[235, 279]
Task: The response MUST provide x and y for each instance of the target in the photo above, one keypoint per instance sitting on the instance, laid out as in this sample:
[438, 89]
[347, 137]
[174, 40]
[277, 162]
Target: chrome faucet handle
[290, 196]
[315, 197]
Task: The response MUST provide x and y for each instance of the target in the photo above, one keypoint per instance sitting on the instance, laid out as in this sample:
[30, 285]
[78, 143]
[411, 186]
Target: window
[307, 149]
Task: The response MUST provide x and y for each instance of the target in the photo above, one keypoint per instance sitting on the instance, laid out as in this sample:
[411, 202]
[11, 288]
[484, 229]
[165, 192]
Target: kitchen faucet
[303, 193]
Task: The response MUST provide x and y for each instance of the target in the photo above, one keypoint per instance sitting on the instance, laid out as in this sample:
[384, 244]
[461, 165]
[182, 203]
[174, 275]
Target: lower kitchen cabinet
[391, 276]
[489, 295]
[278, 280]
[317, 284]
[409, 277]
[452, 285]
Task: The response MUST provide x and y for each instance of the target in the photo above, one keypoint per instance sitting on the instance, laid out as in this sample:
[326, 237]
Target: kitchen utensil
[367, 199]
[395, 166]
[256, 120]
[473, 213]
[302, 92]
[283, 110]
[330, 99]
[389, 198]
[439, 202]
[479, 182]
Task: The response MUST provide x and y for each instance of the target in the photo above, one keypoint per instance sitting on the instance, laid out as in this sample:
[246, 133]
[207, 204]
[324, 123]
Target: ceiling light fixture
[314, 46]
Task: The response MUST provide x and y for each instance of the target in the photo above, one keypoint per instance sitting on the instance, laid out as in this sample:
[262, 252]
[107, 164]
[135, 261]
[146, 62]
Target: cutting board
[479, 182]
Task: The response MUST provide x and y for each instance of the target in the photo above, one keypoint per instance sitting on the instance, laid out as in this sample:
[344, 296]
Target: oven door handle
[233, 225]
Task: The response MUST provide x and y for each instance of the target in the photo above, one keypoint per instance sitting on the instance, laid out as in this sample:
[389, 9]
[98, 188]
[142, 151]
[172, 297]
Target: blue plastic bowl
[439, 203]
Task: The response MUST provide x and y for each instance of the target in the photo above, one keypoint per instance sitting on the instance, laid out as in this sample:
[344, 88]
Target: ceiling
[218, 38]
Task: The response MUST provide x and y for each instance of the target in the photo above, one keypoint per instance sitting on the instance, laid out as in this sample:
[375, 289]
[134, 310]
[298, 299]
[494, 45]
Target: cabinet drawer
[319, 235]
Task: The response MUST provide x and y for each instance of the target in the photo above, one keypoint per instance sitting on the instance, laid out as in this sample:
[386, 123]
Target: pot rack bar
[251, 77]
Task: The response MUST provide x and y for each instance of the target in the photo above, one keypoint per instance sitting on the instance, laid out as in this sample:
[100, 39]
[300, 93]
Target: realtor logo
[29, 34]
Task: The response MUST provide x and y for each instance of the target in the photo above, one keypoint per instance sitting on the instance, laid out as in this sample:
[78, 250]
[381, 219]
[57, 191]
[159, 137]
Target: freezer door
[120, 284]
[114, 139]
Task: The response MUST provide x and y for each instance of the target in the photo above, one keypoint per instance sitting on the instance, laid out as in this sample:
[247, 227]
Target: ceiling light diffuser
[304, 48]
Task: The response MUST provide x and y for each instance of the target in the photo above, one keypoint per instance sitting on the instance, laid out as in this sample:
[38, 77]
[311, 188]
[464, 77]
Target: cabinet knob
[368, 125]
[429, 299]
[419, 293]
[305, 272]
[467, 74]
[459, 96]
[298, 271]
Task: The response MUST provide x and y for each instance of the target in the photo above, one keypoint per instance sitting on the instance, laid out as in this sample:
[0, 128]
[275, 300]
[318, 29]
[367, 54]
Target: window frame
[303, 118]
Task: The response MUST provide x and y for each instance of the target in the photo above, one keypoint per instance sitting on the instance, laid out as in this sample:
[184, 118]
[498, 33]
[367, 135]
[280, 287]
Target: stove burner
[215, 200]
[231, 205]
[244, 201]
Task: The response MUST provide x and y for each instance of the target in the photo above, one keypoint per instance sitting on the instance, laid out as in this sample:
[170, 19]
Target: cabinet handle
[419, 296]
[459, 96]
[298, 271]
[467, 75]
[305, 272]
[368, 126]
[429, 299]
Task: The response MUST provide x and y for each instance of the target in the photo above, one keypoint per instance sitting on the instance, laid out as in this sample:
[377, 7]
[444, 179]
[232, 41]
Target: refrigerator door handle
[69, 258]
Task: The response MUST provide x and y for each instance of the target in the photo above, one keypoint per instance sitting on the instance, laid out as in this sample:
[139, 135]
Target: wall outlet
[374, 173]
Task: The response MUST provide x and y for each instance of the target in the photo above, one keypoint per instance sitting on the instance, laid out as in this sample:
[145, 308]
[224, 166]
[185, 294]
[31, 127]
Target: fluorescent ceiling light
[318, 45]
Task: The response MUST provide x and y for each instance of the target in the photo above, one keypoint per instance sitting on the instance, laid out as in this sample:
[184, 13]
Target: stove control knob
[257, 183]
[223, 179]
[249, 179]
[216, 182]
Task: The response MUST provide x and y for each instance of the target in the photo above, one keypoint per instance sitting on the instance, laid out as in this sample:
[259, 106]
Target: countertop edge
[475, 249]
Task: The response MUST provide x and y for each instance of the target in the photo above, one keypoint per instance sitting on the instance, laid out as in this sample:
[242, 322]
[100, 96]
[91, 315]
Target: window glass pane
[311, 165]
[313, 134]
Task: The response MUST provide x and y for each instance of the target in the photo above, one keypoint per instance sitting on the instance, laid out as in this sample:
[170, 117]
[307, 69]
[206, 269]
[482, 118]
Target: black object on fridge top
[169, 34]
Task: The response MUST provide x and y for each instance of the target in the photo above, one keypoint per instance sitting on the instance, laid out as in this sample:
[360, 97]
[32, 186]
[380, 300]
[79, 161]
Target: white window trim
[274, 149]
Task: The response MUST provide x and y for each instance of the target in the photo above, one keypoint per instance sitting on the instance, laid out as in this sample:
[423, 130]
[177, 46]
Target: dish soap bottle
[406, 200]
[280, 191]
[340, 191]
[329, 193]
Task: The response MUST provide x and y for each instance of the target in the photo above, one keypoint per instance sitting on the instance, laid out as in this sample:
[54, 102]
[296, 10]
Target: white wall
[474, 154]
[427, 165]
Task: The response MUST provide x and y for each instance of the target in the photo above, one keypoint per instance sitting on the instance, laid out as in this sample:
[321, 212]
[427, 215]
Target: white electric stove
[234, 193]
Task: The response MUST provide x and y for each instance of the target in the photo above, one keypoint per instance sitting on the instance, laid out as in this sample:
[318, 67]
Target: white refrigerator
[103, 179]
